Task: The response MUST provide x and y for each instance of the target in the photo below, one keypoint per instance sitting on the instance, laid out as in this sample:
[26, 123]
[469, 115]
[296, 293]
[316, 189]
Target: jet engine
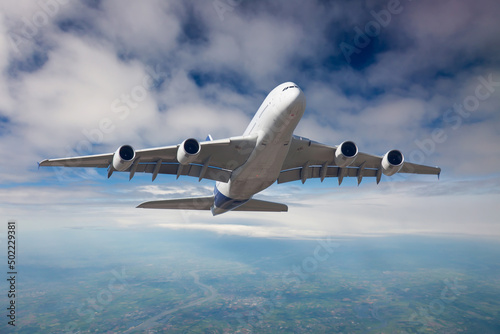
[345, 154]
[123, 158]
[188, 151]
[392, 162]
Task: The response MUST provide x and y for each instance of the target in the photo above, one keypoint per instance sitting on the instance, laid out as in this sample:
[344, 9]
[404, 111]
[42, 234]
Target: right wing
[309, 159]
[216, 160]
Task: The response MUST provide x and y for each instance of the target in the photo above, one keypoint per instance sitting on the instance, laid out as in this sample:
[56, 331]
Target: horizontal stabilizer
[193, 203]
[205, 203]
[259, 205]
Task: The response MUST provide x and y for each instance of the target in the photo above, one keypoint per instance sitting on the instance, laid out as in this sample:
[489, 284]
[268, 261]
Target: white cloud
[82, 62]
[138, 28]
[178, 189]
[199, 120]
[406, 206]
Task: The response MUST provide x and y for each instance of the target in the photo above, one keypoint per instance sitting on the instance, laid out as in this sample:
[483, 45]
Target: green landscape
[184, 282]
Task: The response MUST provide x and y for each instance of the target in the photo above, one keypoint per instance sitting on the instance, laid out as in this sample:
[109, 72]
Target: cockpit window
[289, 87]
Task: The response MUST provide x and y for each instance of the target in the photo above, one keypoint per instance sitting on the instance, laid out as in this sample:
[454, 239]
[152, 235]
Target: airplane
[243, 166]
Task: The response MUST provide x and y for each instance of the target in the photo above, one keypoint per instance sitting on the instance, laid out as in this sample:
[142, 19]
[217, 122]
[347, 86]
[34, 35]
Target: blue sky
[86, 77]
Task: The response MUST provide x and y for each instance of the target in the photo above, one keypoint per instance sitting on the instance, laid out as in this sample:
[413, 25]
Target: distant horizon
[395, 283]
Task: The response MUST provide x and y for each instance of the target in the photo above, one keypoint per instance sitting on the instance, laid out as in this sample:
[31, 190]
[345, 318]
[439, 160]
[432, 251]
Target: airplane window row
[289, 87]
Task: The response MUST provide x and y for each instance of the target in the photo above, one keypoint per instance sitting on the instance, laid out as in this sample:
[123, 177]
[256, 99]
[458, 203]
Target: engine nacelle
[345, 154]
[123, 158]
[188, 151]
[392, 162]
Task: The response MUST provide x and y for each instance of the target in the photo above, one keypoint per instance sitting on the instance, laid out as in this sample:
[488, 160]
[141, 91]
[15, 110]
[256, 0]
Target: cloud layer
[86, 77]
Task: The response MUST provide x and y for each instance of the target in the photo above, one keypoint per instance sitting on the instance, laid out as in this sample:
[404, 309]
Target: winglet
[41, 162]
[209, 138]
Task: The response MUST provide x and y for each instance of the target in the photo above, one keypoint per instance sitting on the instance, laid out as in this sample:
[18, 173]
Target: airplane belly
[259, 172]
[273, 125]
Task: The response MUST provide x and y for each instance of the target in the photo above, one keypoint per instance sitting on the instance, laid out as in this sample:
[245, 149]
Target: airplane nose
[294, 94]
[300, 98]
[295, 98]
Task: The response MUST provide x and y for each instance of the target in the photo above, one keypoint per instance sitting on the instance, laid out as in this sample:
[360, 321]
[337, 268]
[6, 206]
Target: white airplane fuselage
[273, 127]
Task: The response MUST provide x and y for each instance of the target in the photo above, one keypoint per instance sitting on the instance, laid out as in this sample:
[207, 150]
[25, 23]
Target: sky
[86, 77]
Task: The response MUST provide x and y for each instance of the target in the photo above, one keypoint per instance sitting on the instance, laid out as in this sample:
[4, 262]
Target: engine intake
[392, 162]
[346, 153]
[188, 151]
[123, 158]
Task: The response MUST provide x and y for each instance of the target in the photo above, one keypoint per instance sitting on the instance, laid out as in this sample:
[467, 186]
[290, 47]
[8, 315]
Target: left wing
[214, 160]
[308, 159]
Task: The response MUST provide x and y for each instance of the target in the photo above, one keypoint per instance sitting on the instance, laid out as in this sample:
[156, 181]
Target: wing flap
[210, 173]
[315, 172]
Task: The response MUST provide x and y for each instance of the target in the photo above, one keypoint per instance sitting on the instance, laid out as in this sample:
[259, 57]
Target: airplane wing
[308, 159]
[215, 161]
